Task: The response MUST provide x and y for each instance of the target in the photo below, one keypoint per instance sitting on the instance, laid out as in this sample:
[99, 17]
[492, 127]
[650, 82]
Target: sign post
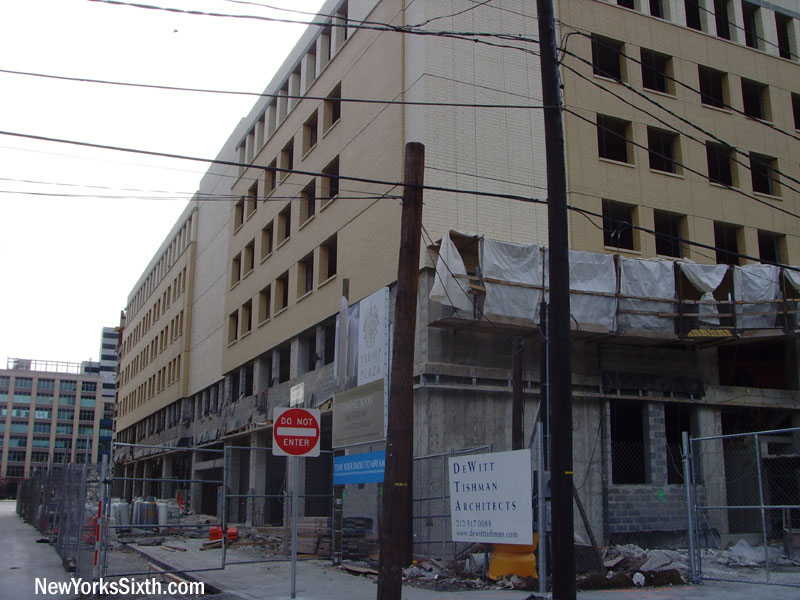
[295, 433]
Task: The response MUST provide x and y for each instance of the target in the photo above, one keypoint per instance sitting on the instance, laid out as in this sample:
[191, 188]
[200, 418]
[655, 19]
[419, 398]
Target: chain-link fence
[746, 521]
[62, 503]
[432, 529]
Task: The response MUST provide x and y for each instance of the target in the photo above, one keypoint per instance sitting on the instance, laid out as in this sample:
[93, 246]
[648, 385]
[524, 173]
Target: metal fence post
[226, 470]
[96, 572]
[761, 505]
[690, 509]
[444, 512]
[541, 509]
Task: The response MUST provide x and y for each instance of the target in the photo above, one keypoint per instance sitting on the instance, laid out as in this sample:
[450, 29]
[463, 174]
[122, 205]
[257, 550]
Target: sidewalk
[24, 559]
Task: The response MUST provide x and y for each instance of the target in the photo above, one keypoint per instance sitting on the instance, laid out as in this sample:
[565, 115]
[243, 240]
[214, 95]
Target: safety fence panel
[431, 521]
[745, 500]
[164, 510]
[260, 490]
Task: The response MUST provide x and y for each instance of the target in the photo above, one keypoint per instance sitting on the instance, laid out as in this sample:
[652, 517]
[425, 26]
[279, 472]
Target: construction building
[55, 412]
[681, 129]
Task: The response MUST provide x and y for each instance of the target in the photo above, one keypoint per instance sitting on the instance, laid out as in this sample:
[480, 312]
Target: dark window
[282, 292]
[305, 275]
[612, 138]
[757, 365]
[625, 3]
[287, 158]
[285, 224]
[271, 179]
[267, 235]
[284, 356]
[662, 149]
[668, 233]
[657, 8]
[618, 225]
[627, 443]
[332, 108]
[693, 20]
[330, 181]
[726, 240]
[327, 259]
[721, 18]
[712, 87]
[238, 214]
[754, 97]
[264, 298]
[762, 174]
[247, 316]
[330, 342]
[677, 419]
[796, 110]
[718, 157]
[607, 57]
[784, 26]
[769, 246]
[655, 71]
[309, 201]
[750, 19]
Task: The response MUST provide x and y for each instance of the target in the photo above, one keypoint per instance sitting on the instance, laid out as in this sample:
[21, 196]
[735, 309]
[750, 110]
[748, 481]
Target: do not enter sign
[295, 432]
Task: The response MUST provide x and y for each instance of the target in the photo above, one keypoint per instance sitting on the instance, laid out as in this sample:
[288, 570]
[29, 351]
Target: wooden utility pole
[563, 532]
[396, 529]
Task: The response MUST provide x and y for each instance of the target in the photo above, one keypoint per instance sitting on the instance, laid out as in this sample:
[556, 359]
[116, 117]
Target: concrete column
[338, 34]
[257, 478]
[127, 494]
[676, 11]
[323, 54]
[308, 70]
[294, 89]
[768, 30]
[271, 118]
[656, 453]
[166, 485]
[283, 107]
[242, 383]
[148, 486]
[228, 391]
[234, 484]
[195, 494]
[794, 39]
[709, 462]
[294, 361]
[320, 335]
[737, 20]
[262, 372]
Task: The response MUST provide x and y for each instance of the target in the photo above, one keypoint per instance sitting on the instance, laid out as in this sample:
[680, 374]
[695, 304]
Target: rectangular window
[625, 3]
[607, 57]
[330, 343]
[41, 427]
[310, 133]
[271, 179]
[86, 415]
[712, 87]
[722, 19]
[332, 108]
[330, 182]
[750, 16]
[755, 98]
[282, 292]
[285, 224]
[267, 237]
[726, 240]
[669, 230]
[613, 138]
[305, 275]
[236, 269]
[718, 158]
[46, 384]
[657, 9]
[66, 414]
[796, 110]
[656, 71]
[238, 214]
[22, 397]
[287, 159]
[618, 221]
[783, 24]
[628, 443]
[762, 174]
[43, 413]
[308, 201]
[67, 385]
[23, 383]
[249, 257]
[247, 317]
[264, 299]
[233, 326]
[662, 147]
[252, 199]
[770, 246]
[327, 259]
[693, 18]
[19, 427]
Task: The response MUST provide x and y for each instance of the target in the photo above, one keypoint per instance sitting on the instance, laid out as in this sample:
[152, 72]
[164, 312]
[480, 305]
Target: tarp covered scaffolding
[501, 282]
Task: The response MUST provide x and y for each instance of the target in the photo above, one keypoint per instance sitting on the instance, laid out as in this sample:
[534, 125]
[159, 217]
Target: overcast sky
[71, 253]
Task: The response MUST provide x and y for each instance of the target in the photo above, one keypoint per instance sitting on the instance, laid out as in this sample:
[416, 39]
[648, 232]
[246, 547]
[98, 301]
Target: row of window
[42, 385]
[274, 297]
[162, 304]
[170, 333]
[620, 221]
[615, 142]
[155, 384]
[719, 18]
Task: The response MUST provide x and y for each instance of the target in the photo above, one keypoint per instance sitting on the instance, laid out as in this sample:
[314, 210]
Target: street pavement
[24, 560]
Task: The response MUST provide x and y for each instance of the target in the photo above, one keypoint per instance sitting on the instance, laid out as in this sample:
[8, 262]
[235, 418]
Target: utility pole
[517, 408]
[563, 532]
[396, 530]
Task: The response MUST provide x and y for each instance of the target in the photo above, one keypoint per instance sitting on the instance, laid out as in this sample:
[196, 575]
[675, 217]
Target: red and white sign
[295, 432]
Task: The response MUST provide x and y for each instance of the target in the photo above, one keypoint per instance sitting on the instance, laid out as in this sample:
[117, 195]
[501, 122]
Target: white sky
[68, 263]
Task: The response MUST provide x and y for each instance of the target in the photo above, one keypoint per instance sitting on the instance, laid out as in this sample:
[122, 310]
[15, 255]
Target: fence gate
[743, 499]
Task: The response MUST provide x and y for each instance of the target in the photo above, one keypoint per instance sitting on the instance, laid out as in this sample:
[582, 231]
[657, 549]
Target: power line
[265, 95]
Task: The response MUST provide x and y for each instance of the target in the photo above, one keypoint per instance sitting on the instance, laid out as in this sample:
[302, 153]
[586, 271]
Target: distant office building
[54, 412]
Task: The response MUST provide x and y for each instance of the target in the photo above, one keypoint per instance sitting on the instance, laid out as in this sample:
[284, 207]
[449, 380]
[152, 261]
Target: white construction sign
[490, 497]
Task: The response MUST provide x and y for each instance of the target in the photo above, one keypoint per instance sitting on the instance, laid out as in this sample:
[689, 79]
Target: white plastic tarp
[520, 266]
[590, 272]
[646, 279]
[706, 278]
[448, 289]
[756, 283]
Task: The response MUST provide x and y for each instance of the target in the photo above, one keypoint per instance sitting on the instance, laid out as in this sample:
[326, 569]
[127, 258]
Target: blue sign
[359, 468]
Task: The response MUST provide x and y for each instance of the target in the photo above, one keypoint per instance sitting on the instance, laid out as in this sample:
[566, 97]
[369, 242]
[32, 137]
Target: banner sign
[490, 497]
[366, 467]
